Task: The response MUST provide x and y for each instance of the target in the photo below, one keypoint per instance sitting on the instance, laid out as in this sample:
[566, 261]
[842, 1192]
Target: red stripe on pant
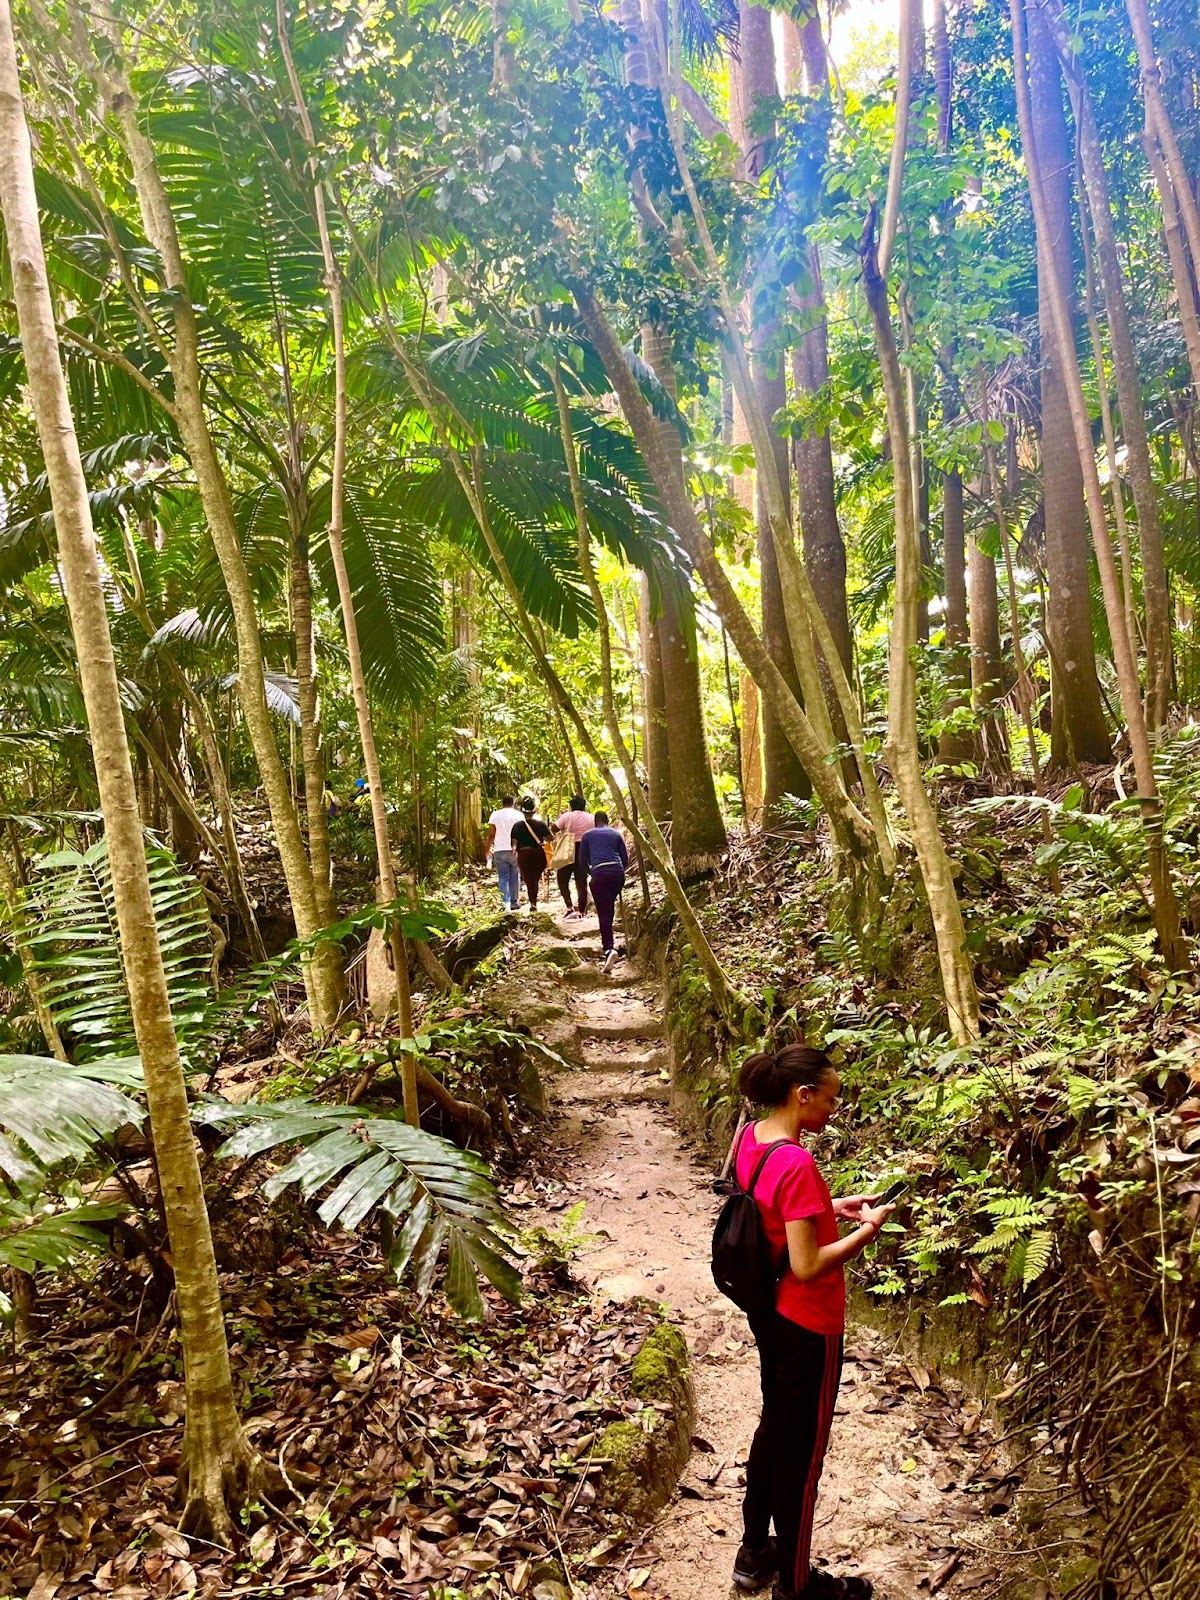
[829, 1389]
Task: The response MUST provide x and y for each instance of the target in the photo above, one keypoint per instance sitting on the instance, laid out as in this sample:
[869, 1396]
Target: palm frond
[51, 1111]
[441, 1197]
[76, 947]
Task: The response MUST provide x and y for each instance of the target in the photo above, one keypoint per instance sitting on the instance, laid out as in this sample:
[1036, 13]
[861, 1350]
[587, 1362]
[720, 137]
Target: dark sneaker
[824, 1585]
[754, 1568]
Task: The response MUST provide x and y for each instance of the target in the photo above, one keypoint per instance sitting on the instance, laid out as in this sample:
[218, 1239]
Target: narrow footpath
[910, 1497]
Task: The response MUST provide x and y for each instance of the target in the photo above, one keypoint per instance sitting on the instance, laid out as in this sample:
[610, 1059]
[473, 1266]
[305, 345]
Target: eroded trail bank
[912, 1494]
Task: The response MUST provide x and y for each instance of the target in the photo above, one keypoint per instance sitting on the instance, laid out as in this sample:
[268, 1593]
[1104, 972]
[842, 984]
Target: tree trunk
[697, 827]
[1129, 388]
[385, 862]
[188, 410]
[1070, 614]
[958, 979]
[12, 884]
[1166, 909]
[658, 757]
[219, 1470]
[640, 820]
[987, 662]
[466, 822]
[952, 746]
[311, 753]
[853, 835]
[824, 548]
[753, 84]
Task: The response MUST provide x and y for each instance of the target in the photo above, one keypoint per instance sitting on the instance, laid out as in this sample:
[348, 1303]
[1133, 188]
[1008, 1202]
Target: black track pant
[607, 883]
[578, 871]
[800, 1375]
[532, 864]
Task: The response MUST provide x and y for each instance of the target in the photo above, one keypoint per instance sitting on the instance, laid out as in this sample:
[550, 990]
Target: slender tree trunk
[219, 1469]
[952, 746]
[958, 979]
[754, 87]
[987, 662]
[658, 756]
[1166, 910]
[852, 833]
[311, 753]
[385, 861]
[1177, 259]
[807, 627]
[638, 818]
[1070, 614]
[1159, 121]
[1129, 389]
[187, 407]
[468, 792]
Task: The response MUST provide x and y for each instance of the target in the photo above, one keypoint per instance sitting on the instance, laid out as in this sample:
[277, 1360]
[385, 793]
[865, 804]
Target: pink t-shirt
[576, 823]
[789, 1188]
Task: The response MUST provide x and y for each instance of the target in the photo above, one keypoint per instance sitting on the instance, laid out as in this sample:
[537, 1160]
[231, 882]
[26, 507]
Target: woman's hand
[874, 1216]
[849, 1207]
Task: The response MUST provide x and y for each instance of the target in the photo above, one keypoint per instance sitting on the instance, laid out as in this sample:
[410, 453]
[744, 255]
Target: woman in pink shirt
[576, 822]
[800, 1344]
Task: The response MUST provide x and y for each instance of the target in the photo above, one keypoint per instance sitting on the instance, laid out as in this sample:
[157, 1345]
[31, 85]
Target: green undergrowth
[1055, 1166]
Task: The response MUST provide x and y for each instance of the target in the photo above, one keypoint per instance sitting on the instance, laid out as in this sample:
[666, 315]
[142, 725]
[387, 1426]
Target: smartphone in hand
[893, 1192]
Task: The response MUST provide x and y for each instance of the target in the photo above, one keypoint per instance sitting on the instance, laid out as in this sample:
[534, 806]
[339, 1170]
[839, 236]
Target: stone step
[615, 1014]
[619, 1055]
[612, 1088]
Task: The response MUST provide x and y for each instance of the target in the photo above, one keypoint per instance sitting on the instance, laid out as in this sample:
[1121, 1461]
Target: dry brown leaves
[425, 1451]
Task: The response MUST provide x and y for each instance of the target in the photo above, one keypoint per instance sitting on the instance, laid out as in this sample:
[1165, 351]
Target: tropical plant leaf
[51, 1111]
[53, 1240]
[442, 1196]
[76, 947]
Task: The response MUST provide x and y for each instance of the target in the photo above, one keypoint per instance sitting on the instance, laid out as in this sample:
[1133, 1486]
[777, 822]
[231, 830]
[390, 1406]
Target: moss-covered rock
[645, 1454]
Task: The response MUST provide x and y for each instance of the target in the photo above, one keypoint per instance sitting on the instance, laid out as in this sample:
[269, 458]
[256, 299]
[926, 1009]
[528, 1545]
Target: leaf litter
[425, 1451]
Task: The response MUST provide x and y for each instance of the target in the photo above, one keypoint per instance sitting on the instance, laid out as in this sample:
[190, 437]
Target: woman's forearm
[810, 1263]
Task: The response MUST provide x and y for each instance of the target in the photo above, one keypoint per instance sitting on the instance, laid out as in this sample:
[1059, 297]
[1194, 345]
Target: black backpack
[742, 1265]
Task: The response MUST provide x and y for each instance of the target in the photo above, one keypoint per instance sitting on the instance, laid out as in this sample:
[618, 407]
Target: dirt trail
[907, 1496]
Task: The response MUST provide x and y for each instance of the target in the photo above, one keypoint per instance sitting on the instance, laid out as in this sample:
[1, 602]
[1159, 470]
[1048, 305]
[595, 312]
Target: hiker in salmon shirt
[576, 821]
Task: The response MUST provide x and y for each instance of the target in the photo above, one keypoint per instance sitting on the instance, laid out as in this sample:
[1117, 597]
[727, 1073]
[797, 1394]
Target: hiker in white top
[501, 852]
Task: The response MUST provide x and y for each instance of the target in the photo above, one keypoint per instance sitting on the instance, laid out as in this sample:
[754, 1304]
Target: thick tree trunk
[697, 827]
[1166, 909]
[219, 1469]
[188, 410]
[821, 534]
[654, 733]
[1070, 614]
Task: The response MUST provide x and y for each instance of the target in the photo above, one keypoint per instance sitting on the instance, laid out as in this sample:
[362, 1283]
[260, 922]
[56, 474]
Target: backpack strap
[762, 1160]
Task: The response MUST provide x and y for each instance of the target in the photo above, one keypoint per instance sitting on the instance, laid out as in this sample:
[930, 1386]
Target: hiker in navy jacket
[604, 857]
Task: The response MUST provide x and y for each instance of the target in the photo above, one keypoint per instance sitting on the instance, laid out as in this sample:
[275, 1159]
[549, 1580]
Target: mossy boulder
[645, 1454]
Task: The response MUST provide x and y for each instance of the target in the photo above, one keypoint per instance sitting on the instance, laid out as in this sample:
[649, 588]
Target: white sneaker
[608, 960]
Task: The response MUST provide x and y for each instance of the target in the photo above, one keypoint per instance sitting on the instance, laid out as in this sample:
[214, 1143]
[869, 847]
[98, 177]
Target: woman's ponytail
[766, 1079]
